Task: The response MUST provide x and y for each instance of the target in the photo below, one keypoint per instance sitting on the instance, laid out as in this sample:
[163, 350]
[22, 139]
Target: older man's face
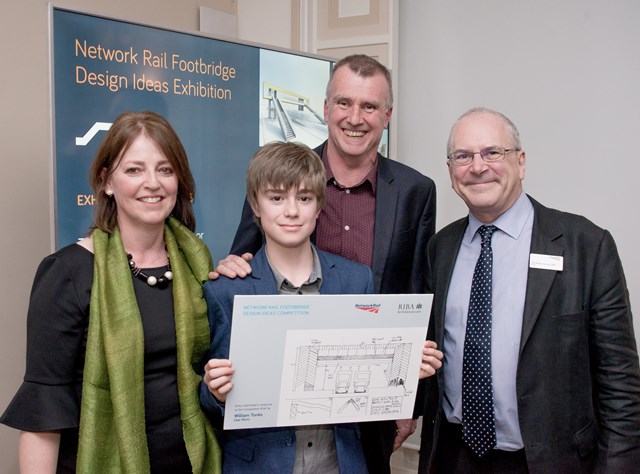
[488, 189]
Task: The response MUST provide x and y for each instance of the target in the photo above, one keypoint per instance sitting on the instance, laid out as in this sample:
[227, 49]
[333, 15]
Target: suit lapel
[330, 280]
[444, 256]
[386, 203]
[447, 254]
[261, 275]
[546, 239]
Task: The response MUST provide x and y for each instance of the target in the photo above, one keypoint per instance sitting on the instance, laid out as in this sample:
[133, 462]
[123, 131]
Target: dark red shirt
[346, 224]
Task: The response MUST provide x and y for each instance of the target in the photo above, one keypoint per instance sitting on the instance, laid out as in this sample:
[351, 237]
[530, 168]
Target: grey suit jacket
[578, 381]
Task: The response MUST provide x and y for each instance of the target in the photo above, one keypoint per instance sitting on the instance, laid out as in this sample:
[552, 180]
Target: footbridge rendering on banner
[295, 117]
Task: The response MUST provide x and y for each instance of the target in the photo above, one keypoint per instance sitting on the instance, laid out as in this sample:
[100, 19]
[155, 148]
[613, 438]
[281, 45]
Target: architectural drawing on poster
[363, 376]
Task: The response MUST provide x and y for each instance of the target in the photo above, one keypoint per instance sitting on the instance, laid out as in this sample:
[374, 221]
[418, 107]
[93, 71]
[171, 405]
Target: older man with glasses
[532, 312]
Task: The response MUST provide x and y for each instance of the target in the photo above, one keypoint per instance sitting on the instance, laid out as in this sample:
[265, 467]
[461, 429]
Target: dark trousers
[377, 439]
[453, 456]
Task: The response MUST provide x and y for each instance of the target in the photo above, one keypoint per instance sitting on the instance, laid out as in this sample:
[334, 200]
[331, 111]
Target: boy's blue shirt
[269, 448]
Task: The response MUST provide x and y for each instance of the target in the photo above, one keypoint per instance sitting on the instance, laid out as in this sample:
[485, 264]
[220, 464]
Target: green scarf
[112, 421]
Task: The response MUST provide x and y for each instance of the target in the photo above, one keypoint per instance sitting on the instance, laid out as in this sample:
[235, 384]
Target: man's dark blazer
[578, 381]
[405, 221]
[274, 449]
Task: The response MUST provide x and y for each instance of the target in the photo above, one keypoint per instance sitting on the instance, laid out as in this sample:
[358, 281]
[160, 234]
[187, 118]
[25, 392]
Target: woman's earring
[109, 193]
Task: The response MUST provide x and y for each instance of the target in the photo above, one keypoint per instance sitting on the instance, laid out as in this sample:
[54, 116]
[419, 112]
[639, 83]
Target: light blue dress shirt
[511, 245]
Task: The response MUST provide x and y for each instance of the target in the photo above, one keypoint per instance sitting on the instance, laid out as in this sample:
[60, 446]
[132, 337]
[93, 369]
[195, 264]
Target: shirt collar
[316, 273]
[371, 177]
[512, 222]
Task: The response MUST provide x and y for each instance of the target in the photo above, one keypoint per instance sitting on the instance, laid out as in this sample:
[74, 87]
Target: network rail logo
[369, 308]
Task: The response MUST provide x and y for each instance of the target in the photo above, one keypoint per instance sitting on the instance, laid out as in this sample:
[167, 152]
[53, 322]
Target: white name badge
[546, 262]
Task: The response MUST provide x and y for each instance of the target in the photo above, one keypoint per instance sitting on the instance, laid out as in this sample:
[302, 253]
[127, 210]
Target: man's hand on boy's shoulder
[232, 266]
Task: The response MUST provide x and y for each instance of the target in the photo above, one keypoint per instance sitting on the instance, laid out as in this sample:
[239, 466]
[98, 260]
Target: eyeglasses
[489, 155]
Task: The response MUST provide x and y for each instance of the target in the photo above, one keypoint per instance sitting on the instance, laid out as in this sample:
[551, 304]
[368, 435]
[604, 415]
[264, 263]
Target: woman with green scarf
[117, 326]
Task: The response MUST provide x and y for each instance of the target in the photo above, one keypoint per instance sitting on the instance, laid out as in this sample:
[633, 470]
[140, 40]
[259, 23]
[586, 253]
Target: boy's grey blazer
[273, 449]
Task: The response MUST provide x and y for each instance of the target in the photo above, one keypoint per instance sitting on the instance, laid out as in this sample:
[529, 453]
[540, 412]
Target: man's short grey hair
[364, 66]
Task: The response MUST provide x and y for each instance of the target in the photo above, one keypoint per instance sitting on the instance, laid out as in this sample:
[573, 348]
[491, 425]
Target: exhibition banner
[223, 98]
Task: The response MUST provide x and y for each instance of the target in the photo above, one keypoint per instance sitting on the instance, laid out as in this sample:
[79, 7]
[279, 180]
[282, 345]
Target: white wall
[267, 22]
[567, 73]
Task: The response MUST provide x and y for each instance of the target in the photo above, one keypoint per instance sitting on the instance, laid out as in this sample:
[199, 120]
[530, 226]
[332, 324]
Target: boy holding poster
[285, 188]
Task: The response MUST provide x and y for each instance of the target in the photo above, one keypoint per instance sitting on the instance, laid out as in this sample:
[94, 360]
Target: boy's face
[288, 218]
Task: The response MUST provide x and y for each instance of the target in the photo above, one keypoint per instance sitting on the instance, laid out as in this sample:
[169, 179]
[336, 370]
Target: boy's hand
[233, 266]
[217, 377]
[431, 359]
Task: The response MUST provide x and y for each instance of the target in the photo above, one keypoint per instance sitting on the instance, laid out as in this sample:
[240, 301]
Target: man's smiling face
[356, 113]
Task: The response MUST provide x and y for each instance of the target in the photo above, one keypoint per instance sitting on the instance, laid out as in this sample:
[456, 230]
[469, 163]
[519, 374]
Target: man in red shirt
[378, 212]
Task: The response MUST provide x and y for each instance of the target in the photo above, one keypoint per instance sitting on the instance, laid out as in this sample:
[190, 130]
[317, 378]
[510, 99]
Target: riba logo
[409, 308]
[370, 308]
